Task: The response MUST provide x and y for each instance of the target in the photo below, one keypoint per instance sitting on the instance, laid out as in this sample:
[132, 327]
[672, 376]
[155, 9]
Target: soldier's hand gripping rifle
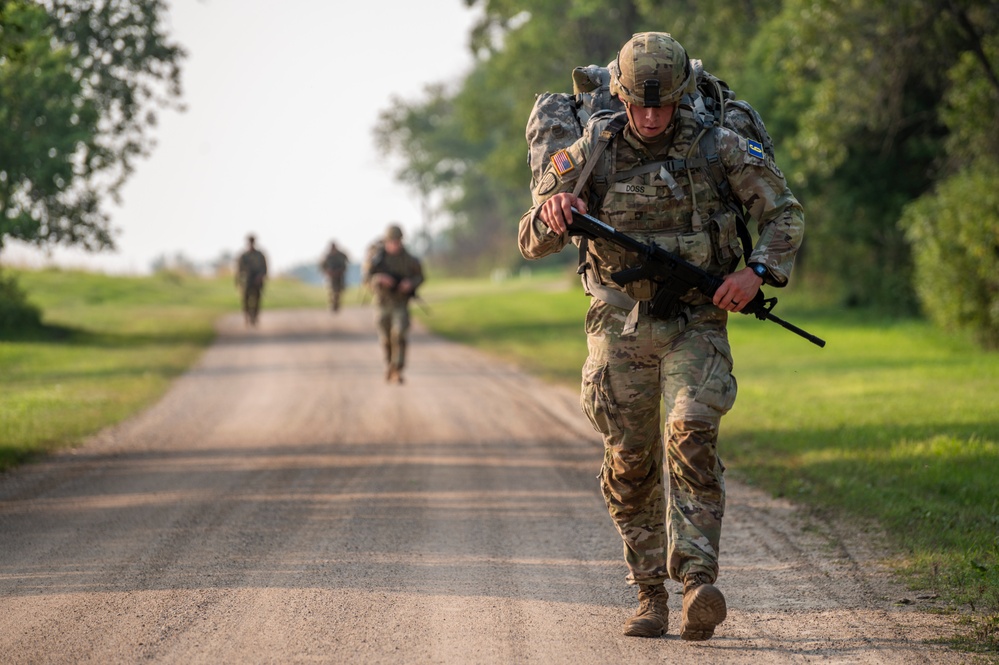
[396, 287]
[672, 275]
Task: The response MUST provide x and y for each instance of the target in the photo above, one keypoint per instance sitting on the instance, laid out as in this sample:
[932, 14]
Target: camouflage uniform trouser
[251, 300]
[625, 381]
[335, 286]
[393, 327]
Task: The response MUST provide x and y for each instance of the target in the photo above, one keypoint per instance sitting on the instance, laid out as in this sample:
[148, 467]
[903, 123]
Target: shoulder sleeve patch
[755, 149]
[547, 184]
[562, 162]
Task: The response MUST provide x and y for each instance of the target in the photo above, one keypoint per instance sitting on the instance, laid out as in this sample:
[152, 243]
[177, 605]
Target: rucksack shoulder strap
[709, 150]
[607, 134]
[612, 129]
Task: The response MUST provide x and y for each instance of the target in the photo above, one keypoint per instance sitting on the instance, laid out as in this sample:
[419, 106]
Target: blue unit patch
[756, 149]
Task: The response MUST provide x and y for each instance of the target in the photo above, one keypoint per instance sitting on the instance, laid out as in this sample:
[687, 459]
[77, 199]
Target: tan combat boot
[703, 607]
[652, 617]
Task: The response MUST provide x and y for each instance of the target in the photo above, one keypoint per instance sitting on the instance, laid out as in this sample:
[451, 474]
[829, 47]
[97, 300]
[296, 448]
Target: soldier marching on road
[648, 181]
[334, 266]
[251, 271]
[393, 274]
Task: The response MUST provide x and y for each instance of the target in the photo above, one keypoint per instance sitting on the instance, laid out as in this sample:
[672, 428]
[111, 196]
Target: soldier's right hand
[556, 212]
[383, 280]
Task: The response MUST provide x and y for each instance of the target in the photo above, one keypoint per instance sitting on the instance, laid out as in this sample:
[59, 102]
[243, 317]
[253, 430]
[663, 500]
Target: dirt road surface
[283, 504]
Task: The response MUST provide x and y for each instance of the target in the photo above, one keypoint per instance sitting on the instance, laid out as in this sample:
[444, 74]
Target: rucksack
[740, 116]
[557, 120]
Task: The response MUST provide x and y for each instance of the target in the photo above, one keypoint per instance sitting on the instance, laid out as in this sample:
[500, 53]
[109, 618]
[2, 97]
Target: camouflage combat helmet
[393, 232]
[652, 69]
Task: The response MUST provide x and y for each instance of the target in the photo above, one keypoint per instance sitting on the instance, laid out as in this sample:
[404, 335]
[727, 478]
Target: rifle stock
[670, 271]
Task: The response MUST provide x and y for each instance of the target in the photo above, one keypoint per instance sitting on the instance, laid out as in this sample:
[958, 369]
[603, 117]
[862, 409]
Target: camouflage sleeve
[415, 272]
[535, 239]
[759, 184]
[366, 266]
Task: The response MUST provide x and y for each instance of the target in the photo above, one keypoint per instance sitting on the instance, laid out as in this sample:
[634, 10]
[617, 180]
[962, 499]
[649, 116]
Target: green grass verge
[110, 346]
[893, 424]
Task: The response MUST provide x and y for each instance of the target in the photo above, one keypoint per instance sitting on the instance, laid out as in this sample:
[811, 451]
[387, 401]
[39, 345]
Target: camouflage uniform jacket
[251, 267]
[334, 262]
[399, 266]
[653, 197]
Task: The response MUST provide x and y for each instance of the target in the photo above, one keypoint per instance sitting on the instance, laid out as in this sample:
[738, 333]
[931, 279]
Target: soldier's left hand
[737, 290]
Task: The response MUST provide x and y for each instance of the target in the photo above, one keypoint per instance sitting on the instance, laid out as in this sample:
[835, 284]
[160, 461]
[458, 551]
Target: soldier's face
[392, 246]
[650, 121]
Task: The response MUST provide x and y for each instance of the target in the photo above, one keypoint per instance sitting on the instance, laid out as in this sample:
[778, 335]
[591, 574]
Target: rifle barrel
[817, 341]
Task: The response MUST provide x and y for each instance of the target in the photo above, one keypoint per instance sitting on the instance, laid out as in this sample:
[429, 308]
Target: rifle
[412, 295]
[673, 276]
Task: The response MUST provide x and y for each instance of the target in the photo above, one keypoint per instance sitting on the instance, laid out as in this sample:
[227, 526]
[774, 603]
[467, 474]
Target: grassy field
[894, 424]
[110, 346]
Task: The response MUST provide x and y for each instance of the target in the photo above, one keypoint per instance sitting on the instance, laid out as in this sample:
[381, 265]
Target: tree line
[884, 114]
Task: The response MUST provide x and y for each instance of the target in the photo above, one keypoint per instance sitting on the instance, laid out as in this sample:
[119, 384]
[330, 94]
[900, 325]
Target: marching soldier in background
[251, 271]
[334, 265]
[393, 274]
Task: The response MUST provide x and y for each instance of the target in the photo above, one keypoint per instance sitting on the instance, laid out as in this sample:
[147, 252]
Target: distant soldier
[393, 274]
[334, 265]
[251, 270]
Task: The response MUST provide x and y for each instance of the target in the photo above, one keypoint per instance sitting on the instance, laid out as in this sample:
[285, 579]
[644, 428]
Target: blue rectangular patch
[756, 149]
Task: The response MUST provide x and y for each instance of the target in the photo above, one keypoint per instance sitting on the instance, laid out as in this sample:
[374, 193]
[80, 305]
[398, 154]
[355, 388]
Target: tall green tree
[523, 48]
[855, 89]
[476, 157]
[718, 32]
[442, 165]
[80, 85]
[954, 229]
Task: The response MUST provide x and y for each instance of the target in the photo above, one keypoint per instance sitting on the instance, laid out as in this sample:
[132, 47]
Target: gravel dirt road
[282, 504]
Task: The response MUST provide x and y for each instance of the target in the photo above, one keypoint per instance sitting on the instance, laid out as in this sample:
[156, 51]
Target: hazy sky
[277, 137]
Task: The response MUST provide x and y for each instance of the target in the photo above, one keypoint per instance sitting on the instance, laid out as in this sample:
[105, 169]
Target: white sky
[277, 138]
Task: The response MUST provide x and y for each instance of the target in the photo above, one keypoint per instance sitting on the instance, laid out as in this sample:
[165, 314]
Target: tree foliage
[954, 229]
[955, 233]
[873, 104]
[857, 86]
[80, 83]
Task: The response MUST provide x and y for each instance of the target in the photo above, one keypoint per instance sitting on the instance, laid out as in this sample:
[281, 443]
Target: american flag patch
[563, 163]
